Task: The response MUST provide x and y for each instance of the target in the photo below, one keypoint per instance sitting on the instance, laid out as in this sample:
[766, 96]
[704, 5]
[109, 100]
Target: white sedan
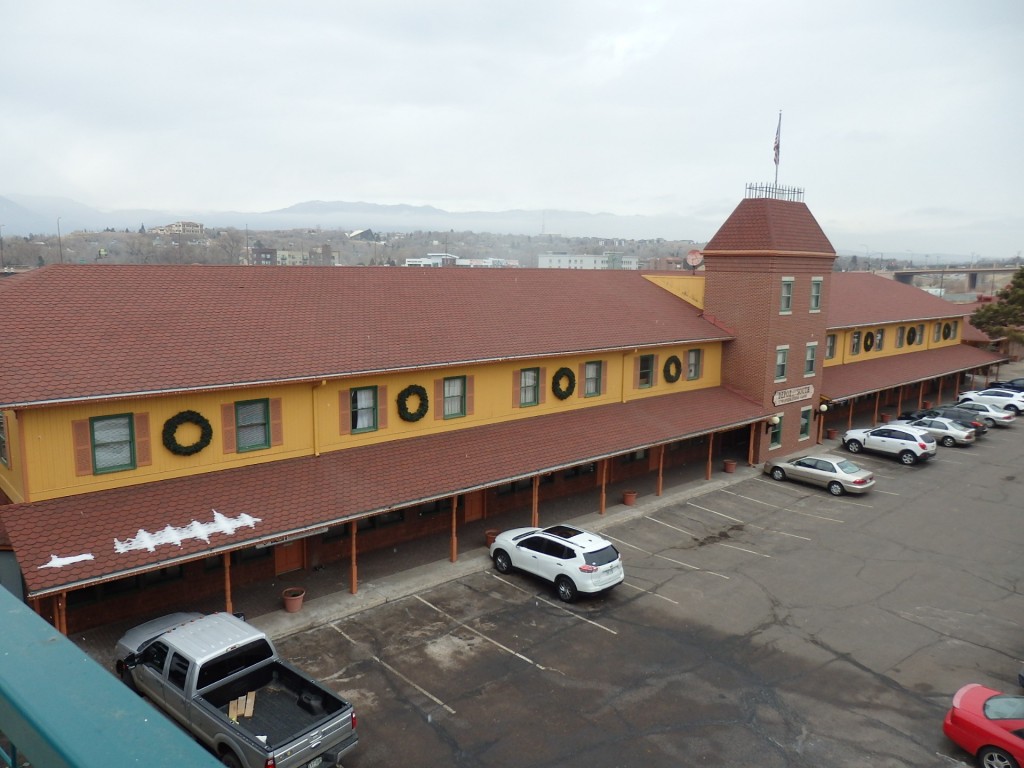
[948, 432]
[990, 415]
[1007, 399]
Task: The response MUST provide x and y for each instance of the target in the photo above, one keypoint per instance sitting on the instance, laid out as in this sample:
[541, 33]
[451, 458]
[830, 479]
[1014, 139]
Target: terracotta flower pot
[629, 498]
[293, 597]
[729, 465]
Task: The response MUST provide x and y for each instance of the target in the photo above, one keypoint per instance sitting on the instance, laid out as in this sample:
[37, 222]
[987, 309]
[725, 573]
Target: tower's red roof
[767, 225]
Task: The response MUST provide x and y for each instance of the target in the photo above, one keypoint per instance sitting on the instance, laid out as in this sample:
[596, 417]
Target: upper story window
[781, 361]
[786, 298]
[694, 360]
[646, 371]
[113, 443]
[855, 343]
[364, 409]
[454, 397]
[937, 332]
[810, 358]
[830, 346]
[252, 425]
[880, 339]
[816, 285]
[3, 440]
[592, 379]
[529, 386]
[919, 339]
[955, 329]
[901, 334]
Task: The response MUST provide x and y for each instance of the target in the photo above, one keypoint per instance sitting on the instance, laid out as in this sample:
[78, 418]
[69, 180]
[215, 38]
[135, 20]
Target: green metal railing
[60, 709]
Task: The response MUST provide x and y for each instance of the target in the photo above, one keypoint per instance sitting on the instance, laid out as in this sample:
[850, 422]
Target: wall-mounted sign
[793, 395]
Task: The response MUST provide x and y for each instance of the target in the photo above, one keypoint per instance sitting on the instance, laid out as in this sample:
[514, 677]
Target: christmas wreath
[570, 383]
[673, 369]
[403, 403]
[187, 417]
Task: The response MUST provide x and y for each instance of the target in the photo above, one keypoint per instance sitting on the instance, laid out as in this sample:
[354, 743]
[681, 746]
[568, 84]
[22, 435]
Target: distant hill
[26, 214]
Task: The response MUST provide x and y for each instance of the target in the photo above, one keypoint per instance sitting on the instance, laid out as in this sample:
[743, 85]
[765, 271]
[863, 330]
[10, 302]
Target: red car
[988, 724]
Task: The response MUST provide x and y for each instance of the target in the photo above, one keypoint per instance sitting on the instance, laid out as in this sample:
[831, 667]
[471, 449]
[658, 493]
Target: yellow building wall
[844, 339]
[689, 288]
[315, 416]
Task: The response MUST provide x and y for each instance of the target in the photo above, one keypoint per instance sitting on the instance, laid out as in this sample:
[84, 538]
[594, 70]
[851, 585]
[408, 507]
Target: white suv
[571, 558]
[909, 444]
[1007, 399]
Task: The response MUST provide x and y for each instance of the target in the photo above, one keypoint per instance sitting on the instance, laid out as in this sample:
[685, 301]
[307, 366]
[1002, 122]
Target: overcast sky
[902, 120]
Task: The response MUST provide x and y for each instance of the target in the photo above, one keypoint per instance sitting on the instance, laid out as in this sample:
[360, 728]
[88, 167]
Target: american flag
[778, 136]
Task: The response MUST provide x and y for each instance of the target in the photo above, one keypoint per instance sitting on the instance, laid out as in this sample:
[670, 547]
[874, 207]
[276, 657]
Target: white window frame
[694, 364]
[781, 362]
[811, 358]
[786, 296]
[817, 286]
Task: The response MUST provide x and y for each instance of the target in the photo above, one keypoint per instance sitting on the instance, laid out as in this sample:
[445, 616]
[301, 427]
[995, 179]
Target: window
[920, 334]
[901, 333]
[592, 379]
[252, 425]
[810, 357]
[364, 409]
[113, 444]
[693, 364]
[455, 397]
[529, 386]
[781, 360]
[776, 436]
[830, 346]
[3, 440]
[855, 343]
[178, 672]
[816, 283]
[805, 423]
[955, 329]
[646, 371]
[937, 332]
[786, 300]
[880, 339]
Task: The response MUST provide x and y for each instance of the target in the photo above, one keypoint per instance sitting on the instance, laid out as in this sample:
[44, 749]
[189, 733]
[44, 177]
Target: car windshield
[1005, 708]
[848, 467]
[602, 556]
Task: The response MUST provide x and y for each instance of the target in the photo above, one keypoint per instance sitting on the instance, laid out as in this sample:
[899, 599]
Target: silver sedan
[838, 475]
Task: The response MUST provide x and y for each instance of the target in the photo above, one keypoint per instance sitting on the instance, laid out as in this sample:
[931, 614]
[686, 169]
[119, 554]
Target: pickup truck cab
[222, 680]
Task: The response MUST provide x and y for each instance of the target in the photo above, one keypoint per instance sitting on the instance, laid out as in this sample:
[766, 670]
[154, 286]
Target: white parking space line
[748, 524]
[669, 525]
[670, 559]
[480, 634]
[399, 675]
[741, 549]
[648, 592]
[777, 506]
[548, 602]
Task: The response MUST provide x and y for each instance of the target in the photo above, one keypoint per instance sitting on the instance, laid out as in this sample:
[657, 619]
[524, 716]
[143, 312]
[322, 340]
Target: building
[194, 428]
[607, 260]
[178, 228]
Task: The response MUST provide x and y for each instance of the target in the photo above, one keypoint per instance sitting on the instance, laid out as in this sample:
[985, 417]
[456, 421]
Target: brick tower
[767, 280]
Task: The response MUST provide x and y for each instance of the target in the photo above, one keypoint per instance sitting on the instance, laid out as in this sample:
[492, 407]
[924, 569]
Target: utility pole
[60, 245]
[3, 264]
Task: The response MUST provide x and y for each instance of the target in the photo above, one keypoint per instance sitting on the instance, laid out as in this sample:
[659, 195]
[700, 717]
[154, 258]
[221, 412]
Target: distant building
[263, 257]
[607, 260]
[178, 228]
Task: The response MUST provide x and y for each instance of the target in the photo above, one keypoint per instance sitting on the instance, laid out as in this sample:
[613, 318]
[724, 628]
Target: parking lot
[762, 623]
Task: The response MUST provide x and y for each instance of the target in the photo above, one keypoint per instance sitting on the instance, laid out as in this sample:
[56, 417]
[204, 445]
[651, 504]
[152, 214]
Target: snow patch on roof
[194, 530]
[60, 562]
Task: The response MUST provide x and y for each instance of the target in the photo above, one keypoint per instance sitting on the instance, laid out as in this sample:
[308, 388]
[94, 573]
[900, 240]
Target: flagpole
[778, 137]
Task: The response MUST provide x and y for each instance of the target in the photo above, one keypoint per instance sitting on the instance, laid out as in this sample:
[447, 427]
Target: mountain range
[26, 214]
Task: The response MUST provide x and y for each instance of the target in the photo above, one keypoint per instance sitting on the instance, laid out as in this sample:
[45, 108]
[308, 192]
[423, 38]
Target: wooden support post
[228, 605]
[454, 554]
[849, 415]
[604, 484]
[61, 612]
[920, 395]
[661, 470]
[878, 397]
[750, 444]
[938, 397]
[899, 401]
[353, 567]
[711, 450]
[536, 502]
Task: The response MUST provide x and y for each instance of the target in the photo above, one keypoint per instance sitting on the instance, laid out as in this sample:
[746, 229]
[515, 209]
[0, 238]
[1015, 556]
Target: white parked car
[948, 432]
[991, 415]
[1007, 399]
[909, 444]
[572, 559]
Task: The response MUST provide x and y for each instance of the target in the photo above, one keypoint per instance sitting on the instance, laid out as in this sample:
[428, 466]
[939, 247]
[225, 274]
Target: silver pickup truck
[222, 680]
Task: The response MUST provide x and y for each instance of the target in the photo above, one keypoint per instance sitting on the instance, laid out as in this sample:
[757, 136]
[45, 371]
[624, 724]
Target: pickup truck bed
[285, 703]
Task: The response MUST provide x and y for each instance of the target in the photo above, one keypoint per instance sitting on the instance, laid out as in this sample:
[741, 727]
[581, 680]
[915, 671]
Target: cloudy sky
[902, 119]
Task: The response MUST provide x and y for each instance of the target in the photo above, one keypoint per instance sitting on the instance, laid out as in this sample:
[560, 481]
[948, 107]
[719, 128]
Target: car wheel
[948, 441]
[566, 589]
[1013, 409]
[230, 759]
[836, 488]
[854, 446]
[908, 458]
[989, 422]
[992, 757]
[502, 562]
[778, 474]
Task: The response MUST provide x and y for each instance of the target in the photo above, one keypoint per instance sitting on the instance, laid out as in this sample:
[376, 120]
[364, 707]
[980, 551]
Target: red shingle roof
[303, 494]
[863, 298]
[767, 225]
[841, 382]
[83, 331]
